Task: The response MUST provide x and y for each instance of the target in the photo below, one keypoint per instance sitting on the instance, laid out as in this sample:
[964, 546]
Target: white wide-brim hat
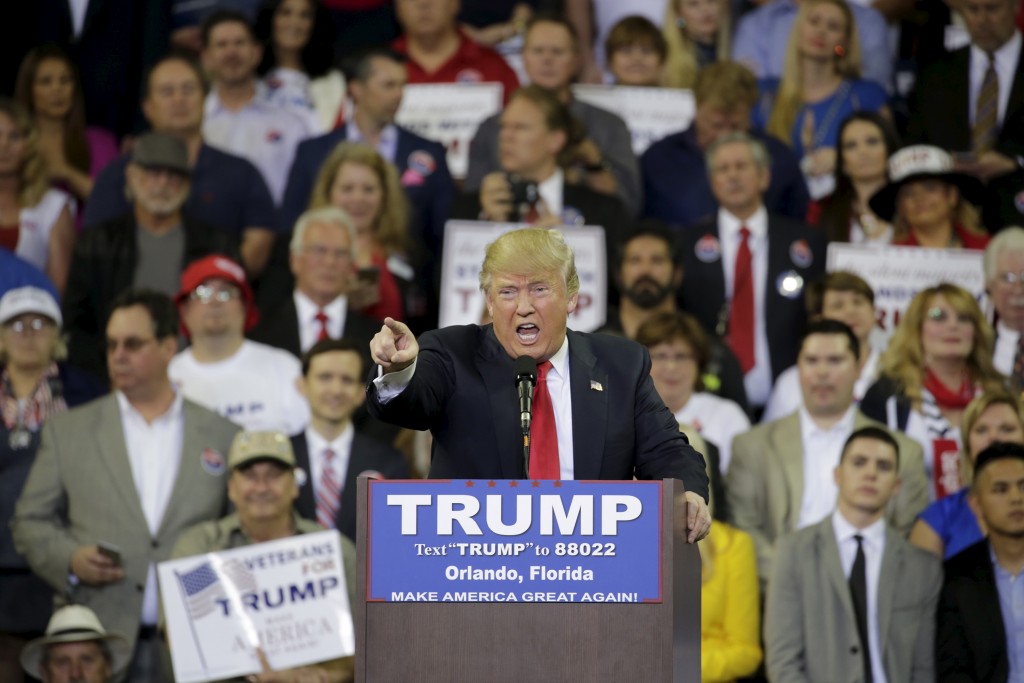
[74, 624]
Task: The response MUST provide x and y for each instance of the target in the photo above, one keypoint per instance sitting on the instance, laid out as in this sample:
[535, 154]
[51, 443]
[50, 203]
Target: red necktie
[321, 318]
[328, 495]
[532, 214]
[741, 313]
[543, 436]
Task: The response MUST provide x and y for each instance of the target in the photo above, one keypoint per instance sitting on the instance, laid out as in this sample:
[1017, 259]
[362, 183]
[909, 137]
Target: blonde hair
[390, 228]
[964, 214]
[975, 409]
[32, 182]
[681, 68]
[530, 251]
[789, 98]
[904, 361]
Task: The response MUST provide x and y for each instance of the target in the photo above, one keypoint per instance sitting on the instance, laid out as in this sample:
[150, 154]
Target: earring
[840, 51]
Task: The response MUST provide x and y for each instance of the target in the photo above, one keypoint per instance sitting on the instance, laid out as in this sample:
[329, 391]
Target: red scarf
[946, 397]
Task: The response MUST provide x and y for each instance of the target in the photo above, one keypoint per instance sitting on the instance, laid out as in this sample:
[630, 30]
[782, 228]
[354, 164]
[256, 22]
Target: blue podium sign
[514, 541]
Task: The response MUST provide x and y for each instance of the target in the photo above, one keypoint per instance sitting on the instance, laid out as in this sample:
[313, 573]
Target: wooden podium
[455, 642]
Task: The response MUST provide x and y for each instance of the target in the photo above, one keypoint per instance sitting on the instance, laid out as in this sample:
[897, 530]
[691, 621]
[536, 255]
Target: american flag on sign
[202, 588]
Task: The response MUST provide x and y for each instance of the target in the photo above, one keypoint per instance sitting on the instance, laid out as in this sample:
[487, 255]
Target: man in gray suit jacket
[130, 470]
[849, 599]
[780, 477]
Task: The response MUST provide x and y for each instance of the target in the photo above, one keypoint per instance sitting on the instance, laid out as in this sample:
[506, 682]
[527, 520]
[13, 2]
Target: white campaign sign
[649, 113]
[449, 113]
[898, 273]
[465, 242]
[288, 597]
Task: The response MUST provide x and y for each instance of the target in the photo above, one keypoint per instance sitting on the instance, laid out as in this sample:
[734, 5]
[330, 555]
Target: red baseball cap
[218, 267]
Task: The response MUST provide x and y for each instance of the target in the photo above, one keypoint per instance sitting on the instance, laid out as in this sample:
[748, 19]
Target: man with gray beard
[147, 247]
[649, 277]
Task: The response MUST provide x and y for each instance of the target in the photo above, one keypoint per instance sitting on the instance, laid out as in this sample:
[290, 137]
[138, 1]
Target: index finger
[396, 326]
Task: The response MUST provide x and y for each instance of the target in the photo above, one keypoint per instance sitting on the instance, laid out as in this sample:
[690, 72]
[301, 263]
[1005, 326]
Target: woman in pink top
[72, 153]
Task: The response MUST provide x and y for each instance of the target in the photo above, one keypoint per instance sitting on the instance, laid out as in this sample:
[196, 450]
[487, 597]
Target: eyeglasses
[205, 294]
[321, 252]
[24, 328]
[1010, 279]
[941, 315]
[131, 344]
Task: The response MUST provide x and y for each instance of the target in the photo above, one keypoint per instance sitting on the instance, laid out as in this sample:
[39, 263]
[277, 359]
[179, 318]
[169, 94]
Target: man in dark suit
[773, 256]
[596, 414]
[978, 636]
[322, 257]
[675, 184]
[971, 103]
[375, 83]
[331, 452]
[531, 186]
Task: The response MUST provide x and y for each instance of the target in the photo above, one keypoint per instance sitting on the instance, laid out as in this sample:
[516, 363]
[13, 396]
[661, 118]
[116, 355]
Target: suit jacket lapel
[192, 443]
[290, 337]
[892, 565]
[589, 409]
[1016, 101]
[114, 453]
[785, 441]
[829, 557]
[305, 503]
[493, 365]
[958, 86]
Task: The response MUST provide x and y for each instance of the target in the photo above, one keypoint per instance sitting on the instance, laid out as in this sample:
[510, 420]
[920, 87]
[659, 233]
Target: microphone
[526, 378]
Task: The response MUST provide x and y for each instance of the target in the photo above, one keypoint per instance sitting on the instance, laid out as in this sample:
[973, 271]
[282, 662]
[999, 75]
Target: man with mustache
[746, 268]
[781, 476]
[149, 246]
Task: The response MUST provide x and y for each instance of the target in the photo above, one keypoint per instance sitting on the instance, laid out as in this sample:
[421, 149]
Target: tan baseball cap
[249, 447]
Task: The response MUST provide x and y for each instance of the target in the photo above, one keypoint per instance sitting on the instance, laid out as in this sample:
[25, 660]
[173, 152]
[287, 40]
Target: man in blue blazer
[605, 419]
[375, 83]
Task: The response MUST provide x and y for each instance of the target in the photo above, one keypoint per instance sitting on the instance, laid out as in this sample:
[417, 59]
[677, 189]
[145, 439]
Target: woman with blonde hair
[938, 361]
[36, 221]
[820, 87]
[697, 33]
[949, 525]
[359, 180]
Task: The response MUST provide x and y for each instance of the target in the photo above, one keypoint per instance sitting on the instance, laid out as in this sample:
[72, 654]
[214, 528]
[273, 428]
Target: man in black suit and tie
[322, 260]
[329, 449]
[596, 414]
[746, 269]
[979, 621]
[971, 103]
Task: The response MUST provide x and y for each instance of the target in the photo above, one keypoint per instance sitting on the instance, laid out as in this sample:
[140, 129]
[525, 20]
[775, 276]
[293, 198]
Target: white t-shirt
[36, 225]
[255, 388]
[716, 419]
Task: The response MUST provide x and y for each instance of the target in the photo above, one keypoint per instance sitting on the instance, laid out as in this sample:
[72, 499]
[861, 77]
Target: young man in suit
[746, 268]
[596, 413]
[979, 622]
[329, 450]
[132, 469]
[849, 598]
[780, 478]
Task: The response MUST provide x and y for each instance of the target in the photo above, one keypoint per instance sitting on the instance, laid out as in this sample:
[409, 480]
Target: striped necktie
[328, 494]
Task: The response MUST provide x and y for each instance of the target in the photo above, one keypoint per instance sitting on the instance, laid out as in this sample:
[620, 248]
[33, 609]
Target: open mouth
[527, 333]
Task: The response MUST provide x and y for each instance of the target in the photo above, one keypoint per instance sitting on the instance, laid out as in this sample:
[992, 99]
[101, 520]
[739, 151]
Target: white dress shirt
[874, 547]
[154, 454]
[309, 326]
[758, 381]
[263, 133]
[821, 451]
[1006, 348]
[551, 191]
[78, 9]
[387, 141]
[342, 448]
[559, 388]
[1006, 59]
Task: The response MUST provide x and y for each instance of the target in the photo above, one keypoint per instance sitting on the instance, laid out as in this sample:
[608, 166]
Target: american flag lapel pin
[596, 386]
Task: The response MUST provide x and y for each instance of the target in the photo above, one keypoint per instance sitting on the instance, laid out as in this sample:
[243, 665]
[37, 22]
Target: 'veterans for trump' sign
[514, 541]
[287, 597]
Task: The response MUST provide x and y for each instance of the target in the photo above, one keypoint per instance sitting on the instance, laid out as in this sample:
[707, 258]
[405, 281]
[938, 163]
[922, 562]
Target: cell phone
[370, 274]
[110, 551]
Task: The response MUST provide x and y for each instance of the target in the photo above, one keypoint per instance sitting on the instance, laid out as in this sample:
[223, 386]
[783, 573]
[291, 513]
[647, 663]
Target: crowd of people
[208, 211]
